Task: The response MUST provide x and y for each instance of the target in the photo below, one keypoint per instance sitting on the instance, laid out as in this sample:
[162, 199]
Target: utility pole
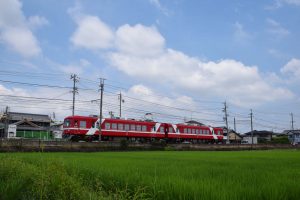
[101, 102]
[121, 101]
[6, 122]
[226, 120]
[292, 117]
[74, 90]
[251, 116]
[234, 129]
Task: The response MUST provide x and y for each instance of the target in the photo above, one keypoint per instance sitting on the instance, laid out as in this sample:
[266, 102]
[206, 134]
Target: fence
[45, 135]
[14, 145]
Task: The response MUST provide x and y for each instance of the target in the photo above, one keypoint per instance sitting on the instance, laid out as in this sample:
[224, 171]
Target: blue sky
[191, 54]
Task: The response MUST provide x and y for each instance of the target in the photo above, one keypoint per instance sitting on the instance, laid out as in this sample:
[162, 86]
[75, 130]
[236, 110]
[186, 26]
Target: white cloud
[277, 54]
[37, 21]
[13, 91]
[31, 105]
[279, 3]
[161, 8]
[292, 68]
[92, 34]
[140, 52]
[75, 67]
[21, 40]
[173, 109]
[240, 34]
[14, 29]
[292, 2]
[276, 29]
[243, 84]
[139, 40]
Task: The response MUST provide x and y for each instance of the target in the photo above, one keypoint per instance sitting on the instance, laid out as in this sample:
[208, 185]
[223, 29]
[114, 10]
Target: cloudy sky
[176, 59]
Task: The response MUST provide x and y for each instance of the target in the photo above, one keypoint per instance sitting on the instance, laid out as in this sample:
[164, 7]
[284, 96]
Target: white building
[248, 140]
[294, 136]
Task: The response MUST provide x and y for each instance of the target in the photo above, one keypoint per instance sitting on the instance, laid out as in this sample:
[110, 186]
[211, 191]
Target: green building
[31, 125]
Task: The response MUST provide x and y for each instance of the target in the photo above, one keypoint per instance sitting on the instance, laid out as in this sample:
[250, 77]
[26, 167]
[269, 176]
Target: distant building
[293, 136]
[56, 130]
[248, 140]
[195, 123]
[262, 136]
[234, 137]
[30, 125]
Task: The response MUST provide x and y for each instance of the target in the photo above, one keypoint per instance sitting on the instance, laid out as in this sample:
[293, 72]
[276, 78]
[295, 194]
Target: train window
[144, 128]
[189, 130]
[114, 126]
[120, 126]
[107, 126]
[193, 131]
[171, 130]
[185, 130]
[82, 124]
[177, 130]
[138, 127]
[162, 129]
[197, 131]
[201, 132]
[126, 127]
[132, 127]
[219, 132]
[67, 123]
[154, 128]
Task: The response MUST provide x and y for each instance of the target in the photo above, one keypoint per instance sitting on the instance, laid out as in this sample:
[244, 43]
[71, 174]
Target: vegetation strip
[151, 175]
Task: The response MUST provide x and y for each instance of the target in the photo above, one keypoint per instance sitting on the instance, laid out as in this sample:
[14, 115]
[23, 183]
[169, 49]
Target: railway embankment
[25, 145]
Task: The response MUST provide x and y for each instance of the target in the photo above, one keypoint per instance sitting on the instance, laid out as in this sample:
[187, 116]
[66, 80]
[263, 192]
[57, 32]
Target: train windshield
[67, 122]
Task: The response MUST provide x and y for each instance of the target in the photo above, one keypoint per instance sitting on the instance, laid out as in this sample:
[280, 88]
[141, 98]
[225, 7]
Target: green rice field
[151, 175]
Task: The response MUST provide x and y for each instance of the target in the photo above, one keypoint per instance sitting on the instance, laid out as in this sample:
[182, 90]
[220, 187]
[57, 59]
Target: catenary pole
[74, 91]
[234, 128]
[101, 103]
[292, 118]
[251, 116]
[226, 120]
[120, 98]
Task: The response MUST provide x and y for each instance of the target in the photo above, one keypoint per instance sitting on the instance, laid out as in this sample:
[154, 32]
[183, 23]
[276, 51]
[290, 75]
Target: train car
[87, 128]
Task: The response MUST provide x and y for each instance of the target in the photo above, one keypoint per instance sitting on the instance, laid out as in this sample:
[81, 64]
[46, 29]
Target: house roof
[259, 133]
[15, 116]
[291, 132]
[195, 122]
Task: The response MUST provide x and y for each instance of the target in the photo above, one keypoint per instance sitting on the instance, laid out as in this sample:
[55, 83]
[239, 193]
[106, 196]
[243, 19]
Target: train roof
[129, 120]
[191, 126]
[78, 117]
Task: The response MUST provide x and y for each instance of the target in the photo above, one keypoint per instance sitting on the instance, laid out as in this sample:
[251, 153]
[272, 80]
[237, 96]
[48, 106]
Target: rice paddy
[151, 175]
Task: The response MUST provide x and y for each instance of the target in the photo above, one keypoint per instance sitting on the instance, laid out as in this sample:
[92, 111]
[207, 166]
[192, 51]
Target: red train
[87, 128]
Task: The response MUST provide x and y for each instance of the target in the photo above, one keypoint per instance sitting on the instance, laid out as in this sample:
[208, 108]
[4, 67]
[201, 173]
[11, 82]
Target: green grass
[151, 175]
